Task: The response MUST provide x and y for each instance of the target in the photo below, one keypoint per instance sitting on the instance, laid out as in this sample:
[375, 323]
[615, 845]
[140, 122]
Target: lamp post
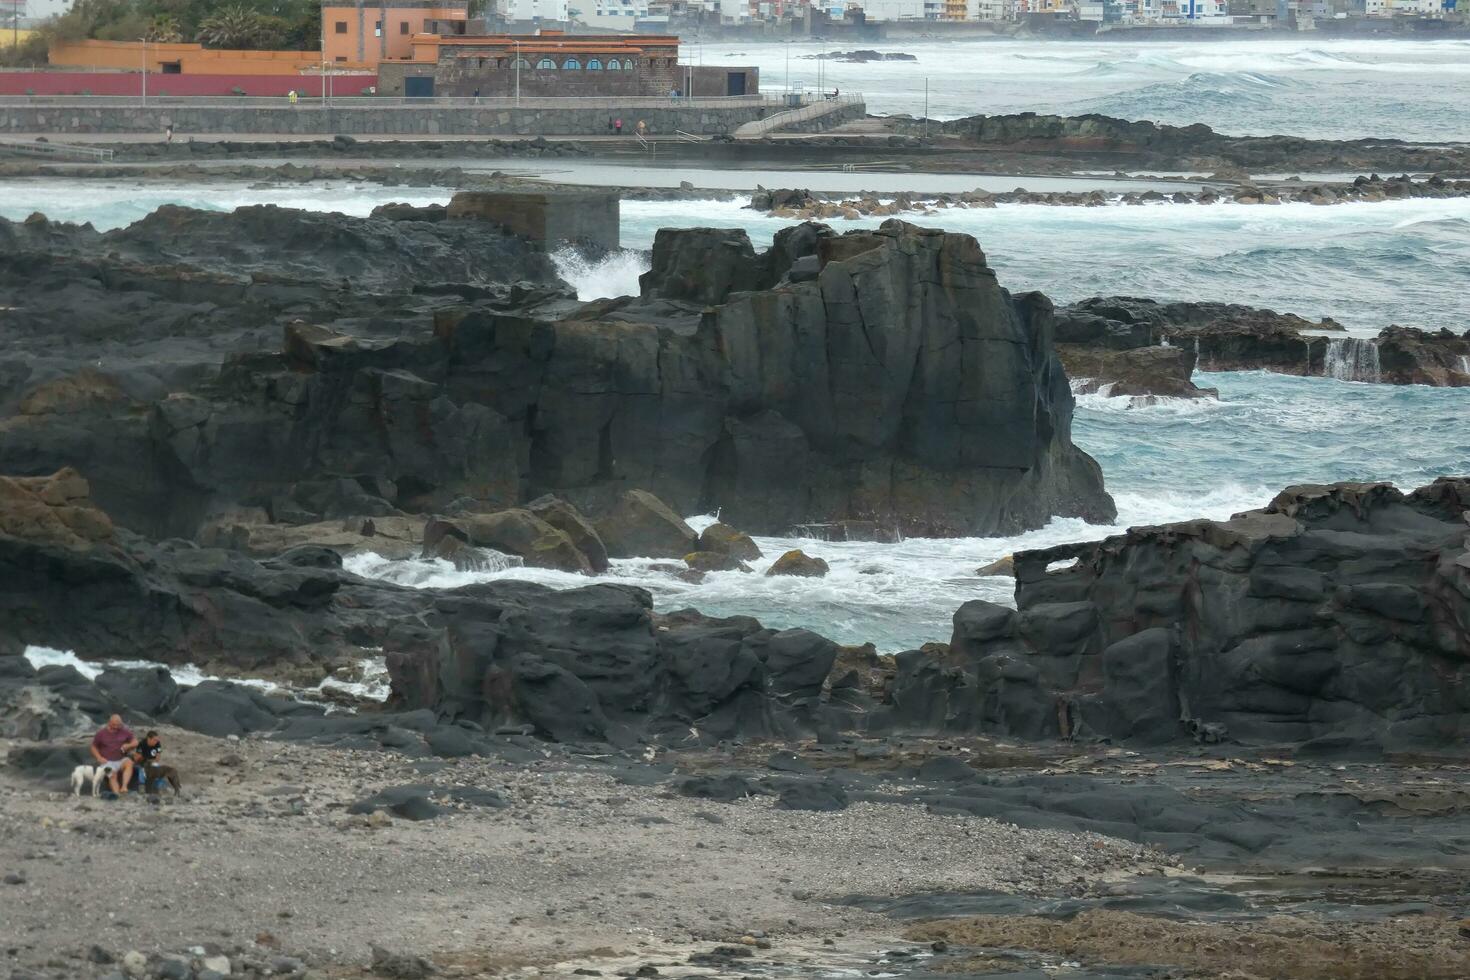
[324, 65]
[144, 40]
[518, 73]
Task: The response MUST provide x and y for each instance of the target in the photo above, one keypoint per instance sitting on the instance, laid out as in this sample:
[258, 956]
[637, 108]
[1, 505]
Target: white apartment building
[992, 10]
[1421, 8]
[535, 10]
[899, 9]
[617, 15]
[734, 11]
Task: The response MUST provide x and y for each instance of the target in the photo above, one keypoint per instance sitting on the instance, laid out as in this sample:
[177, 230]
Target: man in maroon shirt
[110, 747]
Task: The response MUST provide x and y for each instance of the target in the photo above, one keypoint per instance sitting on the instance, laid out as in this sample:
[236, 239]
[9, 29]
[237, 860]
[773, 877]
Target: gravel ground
[260, 859]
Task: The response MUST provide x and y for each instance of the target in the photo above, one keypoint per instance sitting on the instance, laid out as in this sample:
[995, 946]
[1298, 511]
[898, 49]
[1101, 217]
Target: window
[377, 28]
[403, 27]
[594, 65]
[546, 63]
[341, 57]
[571, 64]
[628, 65]
[341, 27]
[614, 65]
[522, 63]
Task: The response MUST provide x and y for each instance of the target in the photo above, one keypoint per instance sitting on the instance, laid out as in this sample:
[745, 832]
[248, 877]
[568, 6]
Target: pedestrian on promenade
[618, 126]
[168, 133]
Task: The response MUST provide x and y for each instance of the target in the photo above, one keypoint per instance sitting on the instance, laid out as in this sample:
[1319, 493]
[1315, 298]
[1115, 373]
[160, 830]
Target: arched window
[614, 64]
[546, 63]
[628, 65]
[594, 65]
[521, 63]
[571, 64]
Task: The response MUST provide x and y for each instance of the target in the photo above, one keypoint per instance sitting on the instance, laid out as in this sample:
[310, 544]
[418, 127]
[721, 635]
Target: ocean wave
[1104, 401]
[370, 681]
[615, 274]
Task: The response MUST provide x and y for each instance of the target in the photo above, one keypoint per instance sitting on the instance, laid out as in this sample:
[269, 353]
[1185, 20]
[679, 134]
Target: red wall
[128, 83]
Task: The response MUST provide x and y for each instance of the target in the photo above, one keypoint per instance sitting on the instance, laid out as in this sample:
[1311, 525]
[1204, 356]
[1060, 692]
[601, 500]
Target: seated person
[146, 754]
[111, 747]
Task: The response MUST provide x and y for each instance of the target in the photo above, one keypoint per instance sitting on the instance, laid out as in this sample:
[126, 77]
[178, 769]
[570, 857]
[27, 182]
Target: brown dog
[153, 772]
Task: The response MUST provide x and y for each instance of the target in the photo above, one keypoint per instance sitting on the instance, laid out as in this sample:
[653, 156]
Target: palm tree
[164, 29]
[238, 27]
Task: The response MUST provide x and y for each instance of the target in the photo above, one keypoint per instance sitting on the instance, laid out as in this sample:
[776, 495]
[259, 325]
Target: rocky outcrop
[1229, 337]
[1221, 336]
[584, 664]
[1407, 356]
[640, 525]
[726, 540]
[799, 563]
[1124, 143]
[878, 376]
[1144, 373]
[1337, 614]
[519, 532]
[569, 521]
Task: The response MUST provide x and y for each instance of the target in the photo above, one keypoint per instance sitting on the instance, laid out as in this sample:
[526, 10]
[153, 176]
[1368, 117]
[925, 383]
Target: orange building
[367, 34]
[549, 63]
[184, 59]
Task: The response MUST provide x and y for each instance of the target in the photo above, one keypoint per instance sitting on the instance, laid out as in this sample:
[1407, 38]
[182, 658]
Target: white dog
[82, 774]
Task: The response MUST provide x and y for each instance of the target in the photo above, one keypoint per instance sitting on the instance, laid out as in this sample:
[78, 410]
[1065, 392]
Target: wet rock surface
[329, 384]
[1110, 336]
[1327, 618]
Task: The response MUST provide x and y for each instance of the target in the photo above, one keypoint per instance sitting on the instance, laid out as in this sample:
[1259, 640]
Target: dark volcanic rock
[1128, 144]
[640, 525]
[568, 520]
[1222, 336]
[1340, 611]
[1422, 357]
[1112, 336]
[1144, 373]
[724, 539]
[332, 382]
[798, 563]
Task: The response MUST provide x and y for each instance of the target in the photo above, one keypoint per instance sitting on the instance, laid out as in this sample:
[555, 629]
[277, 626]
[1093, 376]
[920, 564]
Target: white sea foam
[615, 274]
[373, 671]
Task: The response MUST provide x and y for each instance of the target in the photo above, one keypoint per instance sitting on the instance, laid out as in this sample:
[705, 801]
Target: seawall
[83, 116]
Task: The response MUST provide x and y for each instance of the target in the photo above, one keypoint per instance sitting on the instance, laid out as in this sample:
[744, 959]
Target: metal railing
[812, 110]
[50, 149]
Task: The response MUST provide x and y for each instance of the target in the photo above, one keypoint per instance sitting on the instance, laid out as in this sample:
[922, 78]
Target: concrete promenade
[368, 117]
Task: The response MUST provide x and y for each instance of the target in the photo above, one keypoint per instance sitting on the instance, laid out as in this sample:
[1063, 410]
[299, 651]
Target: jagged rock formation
[587, 664]
[1230, 337]
[1145, 374]
[1336, 614]
[879, 376]
[1408, 356]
